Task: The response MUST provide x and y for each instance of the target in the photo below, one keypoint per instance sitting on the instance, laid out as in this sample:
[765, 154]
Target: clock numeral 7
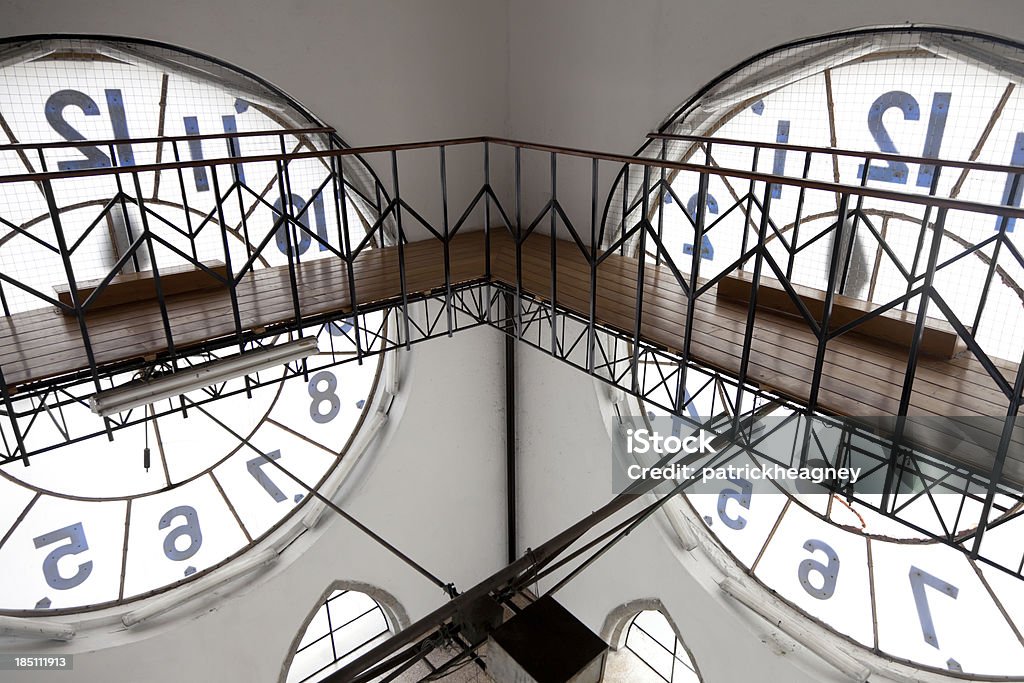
[255, 467]
[919, 578]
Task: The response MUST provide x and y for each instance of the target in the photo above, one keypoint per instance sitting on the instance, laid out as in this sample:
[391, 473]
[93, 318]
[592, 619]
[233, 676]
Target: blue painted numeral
[707, 251]
[1016, 160]
[893, 171]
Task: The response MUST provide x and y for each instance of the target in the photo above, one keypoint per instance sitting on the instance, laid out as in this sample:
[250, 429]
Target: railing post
[341, 202]
[401, 250]
[446, 243]
[799, 216]
[994, 262]
[691, 300]
[69, 273]
[554, 258]
[519, 244]
[592, 313]
[161, 301]
[938, 228]
[1003, 450]
[640, 270]
[830, 293]
[748, 334]
[184, 203]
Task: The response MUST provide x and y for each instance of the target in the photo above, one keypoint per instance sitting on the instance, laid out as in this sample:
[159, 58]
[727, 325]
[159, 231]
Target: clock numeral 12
[897, 171]
[94, 158]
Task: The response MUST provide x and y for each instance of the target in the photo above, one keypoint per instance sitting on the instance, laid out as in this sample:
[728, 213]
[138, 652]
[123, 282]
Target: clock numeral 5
[76, 544]
[742, 497]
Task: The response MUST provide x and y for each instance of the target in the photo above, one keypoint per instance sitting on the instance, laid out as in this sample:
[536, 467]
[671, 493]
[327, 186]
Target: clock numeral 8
[320, 396]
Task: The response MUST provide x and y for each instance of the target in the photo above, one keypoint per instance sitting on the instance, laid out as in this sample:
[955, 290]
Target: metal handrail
[804, 183]
[22, 146]
[843, 152]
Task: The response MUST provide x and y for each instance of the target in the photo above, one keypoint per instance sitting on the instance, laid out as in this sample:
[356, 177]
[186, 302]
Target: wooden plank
[129, 288]
[861, 376]
[895, 326]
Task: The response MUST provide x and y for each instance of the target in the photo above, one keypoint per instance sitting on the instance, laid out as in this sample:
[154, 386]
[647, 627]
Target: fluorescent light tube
[774, 614]
[176, 598]
[36, 628]
[140, 393]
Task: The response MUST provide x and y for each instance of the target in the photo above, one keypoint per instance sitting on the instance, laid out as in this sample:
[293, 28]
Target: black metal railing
[253, 212]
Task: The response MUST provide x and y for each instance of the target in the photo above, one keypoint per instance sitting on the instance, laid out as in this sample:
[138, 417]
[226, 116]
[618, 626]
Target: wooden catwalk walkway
[861, 377]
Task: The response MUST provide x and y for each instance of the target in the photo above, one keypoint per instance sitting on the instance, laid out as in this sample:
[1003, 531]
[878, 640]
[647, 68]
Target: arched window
[346, 625]
[652, 652]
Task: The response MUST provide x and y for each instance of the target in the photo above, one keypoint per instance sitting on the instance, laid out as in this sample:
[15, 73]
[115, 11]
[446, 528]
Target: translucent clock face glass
[877, 581]
[916, 94]
[87, 524]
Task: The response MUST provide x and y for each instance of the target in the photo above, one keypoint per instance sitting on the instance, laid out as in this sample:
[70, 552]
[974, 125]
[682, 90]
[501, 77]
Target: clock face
[87, 524]
[881, 583]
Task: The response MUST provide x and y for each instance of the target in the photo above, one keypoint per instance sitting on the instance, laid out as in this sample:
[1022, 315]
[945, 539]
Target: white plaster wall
[601, 74]
[379, 71]
[565, 473]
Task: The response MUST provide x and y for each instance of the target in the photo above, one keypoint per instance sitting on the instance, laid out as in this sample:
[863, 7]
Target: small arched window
[347, 624]
[653, 652]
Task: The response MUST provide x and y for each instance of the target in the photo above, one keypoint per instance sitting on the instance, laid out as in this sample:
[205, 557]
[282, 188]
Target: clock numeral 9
[189, 529]
[76, 543]
[328, 395]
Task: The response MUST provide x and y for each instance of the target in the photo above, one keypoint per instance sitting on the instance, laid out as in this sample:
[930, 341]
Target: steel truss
[620, 357]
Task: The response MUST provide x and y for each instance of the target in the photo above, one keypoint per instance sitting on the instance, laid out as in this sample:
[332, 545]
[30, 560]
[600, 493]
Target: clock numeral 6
[829, 573]
[328, 395]
[190, 529]
[76, 543]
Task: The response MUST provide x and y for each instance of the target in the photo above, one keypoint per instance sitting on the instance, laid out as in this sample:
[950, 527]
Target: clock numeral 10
[300, 239]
